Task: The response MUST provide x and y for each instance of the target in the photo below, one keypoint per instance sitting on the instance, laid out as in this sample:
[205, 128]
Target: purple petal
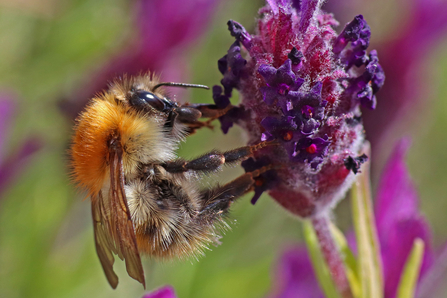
[269, 94]
[356, 30]
[14, 164]
[295, 276]
[7, 107]
[221, 100]
[165, 292]
[396, 248]
[396, 195]
[398, 219]
[268, 72]
[239, 32]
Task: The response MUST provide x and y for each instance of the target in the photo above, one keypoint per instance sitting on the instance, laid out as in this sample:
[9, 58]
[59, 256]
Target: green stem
[331, 254]
[369, 261]
[409, 277]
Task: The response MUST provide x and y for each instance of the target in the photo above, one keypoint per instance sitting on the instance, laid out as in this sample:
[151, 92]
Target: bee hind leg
[218, 200]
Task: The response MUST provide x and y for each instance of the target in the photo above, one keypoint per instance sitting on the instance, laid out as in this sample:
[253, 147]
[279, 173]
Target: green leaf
[348, 259]
[412, 267]
[369, 262]
[318, 264]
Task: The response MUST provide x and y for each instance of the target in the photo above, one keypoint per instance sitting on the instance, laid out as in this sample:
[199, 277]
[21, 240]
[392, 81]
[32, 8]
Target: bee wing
[112, 222]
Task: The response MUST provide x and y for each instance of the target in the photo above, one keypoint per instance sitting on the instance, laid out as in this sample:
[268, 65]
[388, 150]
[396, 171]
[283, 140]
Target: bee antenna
[172, 84]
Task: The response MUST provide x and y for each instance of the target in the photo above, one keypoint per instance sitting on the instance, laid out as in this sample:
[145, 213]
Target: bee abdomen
[166, 219]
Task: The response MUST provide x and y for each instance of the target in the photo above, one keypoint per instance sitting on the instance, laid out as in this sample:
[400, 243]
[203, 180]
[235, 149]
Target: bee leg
[210, 110]
[213, 160]
[219, 199]
[190, 115]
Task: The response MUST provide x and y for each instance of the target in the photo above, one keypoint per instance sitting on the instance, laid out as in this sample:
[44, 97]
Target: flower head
[302, 85]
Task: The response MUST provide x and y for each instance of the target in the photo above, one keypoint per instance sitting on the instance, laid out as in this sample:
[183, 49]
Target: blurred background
[54, 55]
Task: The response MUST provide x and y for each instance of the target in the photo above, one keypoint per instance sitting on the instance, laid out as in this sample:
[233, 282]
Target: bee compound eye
[141, 98]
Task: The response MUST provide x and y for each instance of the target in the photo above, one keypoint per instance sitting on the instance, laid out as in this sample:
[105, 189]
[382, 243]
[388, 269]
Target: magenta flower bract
[398, 221]
[301, 85]
[294, 276]
[164, 292]
[164, 28]
[11, 165]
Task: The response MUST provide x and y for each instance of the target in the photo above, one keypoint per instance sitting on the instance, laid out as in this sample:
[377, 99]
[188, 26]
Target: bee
[144, 199]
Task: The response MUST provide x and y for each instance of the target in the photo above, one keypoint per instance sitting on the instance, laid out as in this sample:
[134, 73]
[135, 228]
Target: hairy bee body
[165, 209]
[145, 199]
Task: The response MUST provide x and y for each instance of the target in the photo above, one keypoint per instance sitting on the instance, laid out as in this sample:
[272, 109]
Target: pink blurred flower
[164, 29]
[403, 57]
[12, 164]
[164, 292]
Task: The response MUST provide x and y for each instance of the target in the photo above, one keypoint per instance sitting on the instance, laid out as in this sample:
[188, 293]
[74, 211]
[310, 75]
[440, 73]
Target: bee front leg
[190, 115]
[211, 111]
[213, 160]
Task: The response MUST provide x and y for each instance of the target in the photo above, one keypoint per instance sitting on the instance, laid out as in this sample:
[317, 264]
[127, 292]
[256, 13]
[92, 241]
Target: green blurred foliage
[51, 48]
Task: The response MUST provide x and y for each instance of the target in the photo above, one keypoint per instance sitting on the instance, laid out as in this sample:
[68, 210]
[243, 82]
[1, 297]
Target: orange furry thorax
[105, 116]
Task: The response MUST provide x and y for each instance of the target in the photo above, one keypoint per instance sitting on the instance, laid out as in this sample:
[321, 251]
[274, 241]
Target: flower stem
[368, 246]
[331, 254]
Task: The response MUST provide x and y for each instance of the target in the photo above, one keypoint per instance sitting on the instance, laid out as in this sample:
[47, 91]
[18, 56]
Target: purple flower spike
[222, 101]
[358, 33]
[279, 82]
[303, 85]
[264, 181]
[231, 66]
[311, 150]
[239, 32]
[378, 75]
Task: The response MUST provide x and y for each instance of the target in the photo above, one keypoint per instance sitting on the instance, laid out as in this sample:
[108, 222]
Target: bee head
[142, 99]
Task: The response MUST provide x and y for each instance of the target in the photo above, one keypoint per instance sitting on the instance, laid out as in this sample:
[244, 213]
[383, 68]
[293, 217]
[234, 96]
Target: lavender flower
[11, 165]
[398, 221]
[302, 85]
